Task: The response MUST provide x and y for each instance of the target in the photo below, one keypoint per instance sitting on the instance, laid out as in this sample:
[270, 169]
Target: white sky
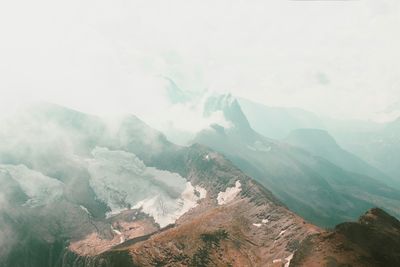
[336, 58]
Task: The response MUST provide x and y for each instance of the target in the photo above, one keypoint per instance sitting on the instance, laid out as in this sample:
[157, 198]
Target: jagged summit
[379, 217]
[174, 93]
[230, 108]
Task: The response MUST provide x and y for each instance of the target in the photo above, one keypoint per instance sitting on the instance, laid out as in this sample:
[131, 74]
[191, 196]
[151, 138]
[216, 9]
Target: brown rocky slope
[372, 241]
[249, 228]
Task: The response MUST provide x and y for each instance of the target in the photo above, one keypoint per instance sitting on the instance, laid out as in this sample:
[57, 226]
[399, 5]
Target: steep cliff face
[372, 241]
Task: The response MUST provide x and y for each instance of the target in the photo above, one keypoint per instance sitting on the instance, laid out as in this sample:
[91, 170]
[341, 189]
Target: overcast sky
[336, 58]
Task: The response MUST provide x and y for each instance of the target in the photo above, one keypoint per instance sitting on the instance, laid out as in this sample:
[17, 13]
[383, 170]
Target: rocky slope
[241, 225]
[372, 241]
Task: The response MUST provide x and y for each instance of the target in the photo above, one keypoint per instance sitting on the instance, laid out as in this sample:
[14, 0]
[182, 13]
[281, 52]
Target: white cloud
[102, 56]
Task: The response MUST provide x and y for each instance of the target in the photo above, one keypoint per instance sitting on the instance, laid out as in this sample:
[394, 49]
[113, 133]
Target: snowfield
[122, 181]
[229, 194]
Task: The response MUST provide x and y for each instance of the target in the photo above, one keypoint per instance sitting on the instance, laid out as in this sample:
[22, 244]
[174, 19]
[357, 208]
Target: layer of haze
[335, 58]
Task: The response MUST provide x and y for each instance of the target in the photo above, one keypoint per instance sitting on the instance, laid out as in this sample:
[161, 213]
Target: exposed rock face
[372, 241]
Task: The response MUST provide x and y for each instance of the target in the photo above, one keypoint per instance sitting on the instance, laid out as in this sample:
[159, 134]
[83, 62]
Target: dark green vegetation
[211, 243]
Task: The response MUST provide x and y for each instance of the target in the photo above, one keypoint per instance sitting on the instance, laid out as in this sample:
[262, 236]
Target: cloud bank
[339, 59]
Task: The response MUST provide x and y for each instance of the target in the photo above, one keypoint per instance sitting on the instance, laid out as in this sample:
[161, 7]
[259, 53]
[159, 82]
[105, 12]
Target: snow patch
[84, 209]
[277, 260]
[263, 221]
[118, 233]
[288, 259]
[122, 180]
[229, 194]
[282, 232]
[164, 212]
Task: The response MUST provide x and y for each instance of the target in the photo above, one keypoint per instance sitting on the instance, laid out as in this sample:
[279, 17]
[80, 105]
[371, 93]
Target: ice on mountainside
[229, 194]
[282, 232]
[40, 189]
[119, 234]
[122, 180]
[288, 260]
[166, 211]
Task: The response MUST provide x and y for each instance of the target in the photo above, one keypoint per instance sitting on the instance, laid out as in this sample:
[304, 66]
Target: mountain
[321, 143]
[372, 241]
[278, 122]
[311, 186]
[80, 191]
[379, 146]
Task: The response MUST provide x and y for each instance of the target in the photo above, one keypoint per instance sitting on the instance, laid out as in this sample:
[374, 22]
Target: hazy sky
[337, 58]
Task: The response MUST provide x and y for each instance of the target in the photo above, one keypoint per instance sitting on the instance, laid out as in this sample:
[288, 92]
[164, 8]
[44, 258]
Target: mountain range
[319, 190]
[79, 190]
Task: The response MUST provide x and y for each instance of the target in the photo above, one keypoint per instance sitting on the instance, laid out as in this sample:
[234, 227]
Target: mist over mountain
[320, 143]
[278, 122]
[199, 133]
[81, 190]
[372, 142]
[77, 191]
[321, 191]
[378, 146]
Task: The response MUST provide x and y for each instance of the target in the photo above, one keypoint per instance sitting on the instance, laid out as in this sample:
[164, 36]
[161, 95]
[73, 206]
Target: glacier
[122, 181]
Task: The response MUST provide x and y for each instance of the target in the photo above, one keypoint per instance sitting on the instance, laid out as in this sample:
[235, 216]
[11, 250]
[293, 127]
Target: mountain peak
[372, 241]
[229, 106]
[379, 217]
